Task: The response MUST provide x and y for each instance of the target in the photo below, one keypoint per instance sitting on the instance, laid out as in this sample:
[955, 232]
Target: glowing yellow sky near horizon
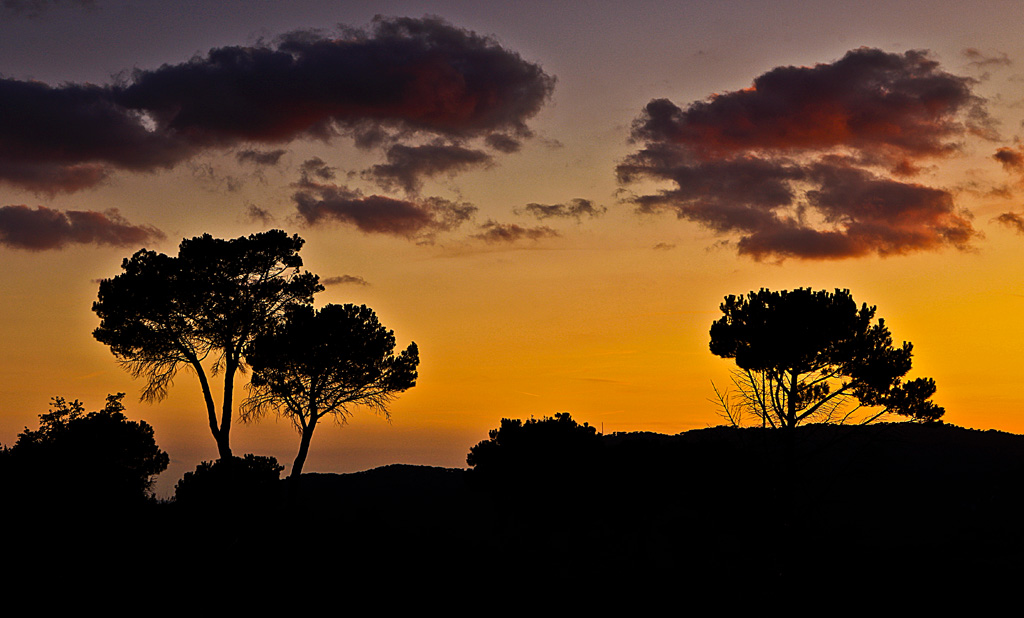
[596, 322]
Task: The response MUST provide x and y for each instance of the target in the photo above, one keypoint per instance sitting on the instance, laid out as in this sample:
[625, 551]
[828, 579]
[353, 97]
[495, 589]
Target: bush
[239, 481]
[539, 453]
[95, 459]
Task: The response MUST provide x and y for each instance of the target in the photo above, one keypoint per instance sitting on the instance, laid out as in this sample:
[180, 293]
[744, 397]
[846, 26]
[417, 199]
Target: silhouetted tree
[239, 482]
[324, 362]
[807, 356]
[100, 458]
[164, 313]
[536, 451]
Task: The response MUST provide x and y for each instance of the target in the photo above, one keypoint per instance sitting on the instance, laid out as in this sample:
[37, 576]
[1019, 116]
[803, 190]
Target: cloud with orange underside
[400, 79]
[815, 162]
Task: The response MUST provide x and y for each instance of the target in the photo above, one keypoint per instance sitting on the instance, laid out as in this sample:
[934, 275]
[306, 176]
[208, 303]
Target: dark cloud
[345, 280]
[494, 232]
[402, 77]
[576, 208]
[1011, 220]
[258, 215]
[804, 163]
[1012, 159]
[503, 143]
[318, 204]
[43, 228]
[664, 246]
[977, 58]
[260, 157]
[71, 137]
[404, 74]
[407, 166]
[316, 169]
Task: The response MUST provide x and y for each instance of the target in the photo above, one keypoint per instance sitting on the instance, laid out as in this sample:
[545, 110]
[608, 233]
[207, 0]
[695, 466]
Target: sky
[551, 200]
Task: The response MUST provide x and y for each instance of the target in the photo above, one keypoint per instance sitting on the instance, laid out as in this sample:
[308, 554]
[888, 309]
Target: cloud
[316, 169]
[260, 157]
[345, 280]
[403, 74]
[72, 137]
[503, 143]
[494, 232]
[976, 58]
[576, 208]
[258, 215]
[664, 246]
[407, 165]
[814, 162]
[318, 204]
[43, 228]
[1012, 159]
[212, 178]
[1012, 220]
[400, 78]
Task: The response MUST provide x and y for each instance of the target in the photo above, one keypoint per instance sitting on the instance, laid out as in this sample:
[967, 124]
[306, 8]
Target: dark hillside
[902, 503]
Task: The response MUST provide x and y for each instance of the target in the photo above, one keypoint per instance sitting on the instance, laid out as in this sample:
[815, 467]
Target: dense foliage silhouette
[539, 453]
[316, 363]
[807, 356]
[97, 460]
[233, 483]
[166, 313]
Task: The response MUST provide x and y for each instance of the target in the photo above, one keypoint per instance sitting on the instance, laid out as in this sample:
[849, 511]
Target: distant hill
[890, 505]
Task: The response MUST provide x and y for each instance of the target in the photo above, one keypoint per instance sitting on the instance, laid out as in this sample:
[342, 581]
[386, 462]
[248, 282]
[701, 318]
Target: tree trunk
[230, 367]
[791, 401]
[300, 459]
[221, 437]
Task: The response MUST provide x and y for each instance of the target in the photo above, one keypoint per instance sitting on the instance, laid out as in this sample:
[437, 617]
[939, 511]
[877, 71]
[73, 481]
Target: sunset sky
[550, 198]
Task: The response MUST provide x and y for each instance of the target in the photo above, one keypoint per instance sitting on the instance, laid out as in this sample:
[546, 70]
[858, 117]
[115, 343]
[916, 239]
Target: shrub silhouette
[247, 481]
[95, 459]
[537, 454]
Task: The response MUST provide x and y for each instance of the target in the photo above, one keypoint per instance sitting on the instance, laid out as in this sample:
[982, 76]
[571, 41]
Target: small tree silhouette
[99, 459]
[235, 483]
[164, 313]
[808, 356]
[538, 454]
[324, 362]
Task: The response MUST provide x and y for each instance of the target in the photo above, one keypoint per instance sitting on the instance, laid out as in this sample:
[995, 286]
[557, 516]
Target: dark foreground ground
[744, 510]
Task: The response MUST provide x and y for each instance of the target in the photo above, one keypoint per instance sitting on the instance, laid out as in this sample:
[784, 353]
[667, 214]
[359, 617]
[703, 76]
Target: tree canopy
[316, 363]
[540, 443]
[208, 303]
[814, 356]
[98, 458]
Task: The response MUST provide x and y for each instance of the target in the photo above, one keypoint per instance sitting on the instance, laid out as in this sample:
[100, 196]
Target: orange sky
[609, 318]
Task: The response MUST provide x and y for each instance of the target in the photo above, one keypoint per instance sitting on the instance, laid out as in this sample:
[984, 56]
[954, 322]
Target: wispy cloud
[977, 58]
[345, 280]
[43, 228]
[255, 156]
[407, 166]
[576, 208]
[494, 232]
[417, 219]
[1012, 220]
